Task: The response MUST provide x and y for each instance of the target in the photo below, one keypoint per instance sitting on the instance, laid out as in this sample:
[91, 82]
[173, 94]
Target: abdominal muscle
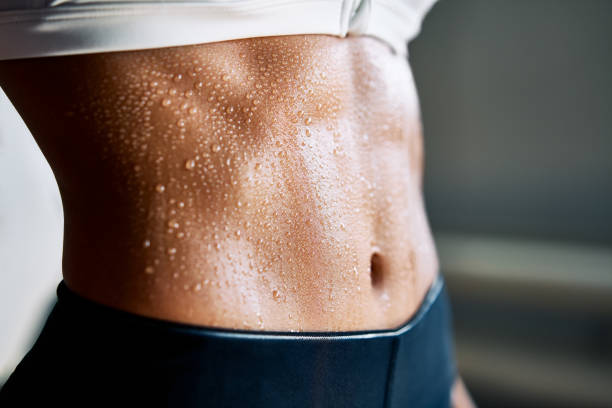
[260, 184]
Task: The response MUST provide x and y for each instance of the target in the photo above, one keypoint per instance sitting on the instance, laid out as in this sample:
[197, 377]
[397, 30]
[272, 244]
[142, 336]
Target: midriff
[260, 184]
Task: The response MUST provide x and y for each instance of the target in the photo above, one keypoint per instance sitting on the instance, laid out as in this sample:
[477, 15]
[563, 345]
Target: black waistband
[87, 350]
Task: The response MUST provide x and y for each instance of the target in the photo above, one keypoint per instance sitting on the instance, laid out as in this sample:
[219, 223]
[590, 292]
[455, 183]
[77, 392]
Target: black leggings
[89, 354]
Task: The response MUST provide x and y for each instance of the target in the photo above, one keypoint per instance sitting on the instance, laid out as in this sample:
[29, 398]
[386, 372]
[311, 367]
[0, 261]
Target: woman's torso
[263, 184]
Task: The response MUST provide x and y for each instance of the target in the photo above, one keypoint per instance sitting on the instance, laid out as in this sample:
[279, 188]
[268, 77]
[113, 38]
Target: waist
[269, 183]
[293, 249]
[338, 272]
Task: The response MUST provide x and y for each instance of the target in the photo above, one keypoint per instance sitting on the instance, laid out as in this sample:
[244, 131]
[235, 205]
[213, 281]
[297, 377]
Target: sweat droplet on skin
[190, 164]
[160, 188]
[275, 294]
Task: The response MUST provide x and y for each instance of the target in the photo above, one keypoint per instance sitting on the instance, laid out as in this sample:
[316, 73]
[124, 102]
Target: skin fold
[262, 184]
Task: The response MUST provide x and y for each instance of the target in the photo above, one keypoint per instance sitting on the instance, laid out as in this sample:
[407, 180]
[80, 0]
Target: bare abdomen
[265, 184]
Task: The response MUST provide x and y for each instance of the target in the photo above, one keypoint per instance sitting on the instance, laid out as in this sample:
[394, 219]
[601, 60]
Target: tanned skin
[262, 184]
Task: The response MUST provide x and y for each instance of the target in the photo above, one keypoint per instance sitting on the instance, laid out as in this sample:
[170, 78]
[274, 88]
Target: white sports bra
[36, 28]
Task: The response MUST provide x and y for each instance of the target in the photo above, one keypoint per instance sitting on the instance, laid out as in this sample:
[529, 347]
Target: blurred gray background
[517, 109]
